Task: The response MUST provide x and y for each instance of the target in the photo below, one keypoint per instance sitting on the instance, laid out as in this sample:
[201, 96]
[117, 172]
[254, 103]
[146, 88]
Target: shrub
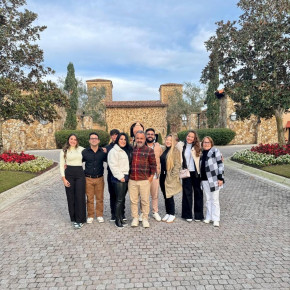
[273, 149]
[83, 136]
[259, 159]
[38, 164]
[220, 136]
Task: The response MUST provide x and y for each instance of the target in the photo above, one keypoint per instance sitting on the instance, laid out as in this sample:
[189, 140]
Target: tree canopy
[23, 93]
[253, 59]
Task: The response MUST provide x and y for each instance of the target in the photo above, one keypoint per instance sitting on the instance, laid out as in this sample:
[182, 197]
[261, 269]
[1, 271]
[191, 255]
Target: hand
[66, 183]
[65, 167]
[150, 178]
[220, 183]
[104, 150]
[122, 179]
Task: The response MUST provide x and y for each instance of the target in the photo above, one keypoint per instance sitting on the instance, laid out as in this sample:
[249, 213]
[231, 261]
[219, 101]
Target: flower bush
[16, 157]
[260, 159]
[39, 163]
[273, 149]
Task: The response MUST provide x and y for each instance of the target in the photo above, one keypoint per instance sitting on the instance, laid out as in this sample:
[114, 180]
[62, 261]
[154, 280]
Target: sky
[138, 44]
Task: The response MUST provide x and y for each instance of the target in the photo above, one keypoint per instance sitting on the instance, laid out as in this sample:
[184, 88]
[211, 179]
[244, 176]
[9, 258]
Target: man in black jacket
[94, 158]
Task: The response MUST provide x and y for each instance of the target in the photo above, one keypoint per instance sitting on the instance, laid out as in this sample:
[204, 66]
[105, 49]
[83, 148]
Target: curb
[273, 178]
[23, 190]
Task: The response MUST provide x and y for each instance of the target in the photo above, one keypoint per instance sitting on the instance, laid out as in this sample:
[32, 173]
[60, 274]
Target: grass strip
[9, 179]
[282, 170]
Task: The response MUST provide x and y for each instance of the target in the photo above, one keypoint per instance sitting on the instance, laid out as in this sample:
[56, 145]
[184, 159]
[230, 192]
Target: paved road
[250, 250]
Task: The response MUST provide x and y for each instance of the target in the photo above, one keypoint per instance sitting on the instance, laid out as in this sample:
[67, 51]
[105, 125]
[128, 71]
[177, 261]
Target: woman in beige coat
[169, 176]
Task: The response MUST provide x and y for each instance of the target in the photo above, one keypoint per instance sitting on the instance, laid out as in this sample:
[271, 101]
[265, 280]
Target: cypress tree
[71, 88]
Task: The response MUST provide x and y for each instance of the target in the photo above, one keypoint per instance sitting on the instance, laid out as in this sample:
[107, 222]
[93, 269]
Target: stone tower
[98, 83]
[167, 90]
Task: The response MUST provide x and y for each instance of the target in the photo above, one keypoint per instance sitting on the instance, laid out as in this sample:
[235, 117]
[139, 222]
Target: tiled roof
[134, 104]
[98, 80]
[171, 84]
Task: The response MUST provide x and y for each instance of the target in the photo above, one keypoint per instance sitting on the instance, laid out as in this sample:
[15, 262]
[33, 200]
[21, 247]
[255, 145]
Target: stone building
[253, 131]
[122, 114]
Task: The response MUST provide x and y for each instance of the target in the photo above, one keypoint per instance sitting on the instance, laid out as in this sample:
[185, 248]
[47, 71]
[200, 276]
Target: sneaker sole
[170, 222]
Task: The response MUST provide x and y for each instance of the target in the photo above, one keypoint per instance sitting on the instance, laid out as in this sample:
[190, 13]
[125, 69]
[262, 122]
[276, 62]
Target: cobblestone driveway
[250, 250]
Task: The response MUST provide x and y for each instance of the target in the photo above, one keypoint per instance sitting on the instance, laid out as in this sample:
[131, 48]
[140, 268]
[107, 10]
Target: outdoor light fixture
[233, 116]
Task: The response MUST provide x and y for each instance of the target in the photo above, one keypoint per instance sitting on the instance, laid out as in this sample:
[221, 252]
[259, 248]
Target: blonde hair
[170, 156]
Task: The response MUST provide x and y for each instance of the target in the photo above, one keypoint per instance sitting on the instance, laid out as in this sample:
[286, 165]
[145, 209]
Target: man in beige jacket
[154, 187]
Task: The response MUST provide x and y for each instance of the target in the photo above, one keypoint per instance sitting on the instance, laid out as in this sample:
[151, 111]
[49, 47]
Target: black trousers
[169, 202]
[121, 189]
[112, 194]
[76, 193]
[191, 187]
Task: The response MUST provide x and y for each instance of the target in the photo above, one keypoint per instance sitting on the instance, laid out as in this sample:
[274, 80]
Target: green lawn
[9, 179]
[282, 170]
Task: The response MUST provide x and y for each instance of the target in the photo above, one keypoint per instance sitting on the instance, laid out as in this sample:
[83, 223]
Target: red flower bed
[16, 157]
[273, 149]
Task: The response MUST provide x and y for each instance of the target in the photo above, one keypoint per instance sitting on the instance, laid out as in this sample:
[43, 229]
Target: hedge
[220, 136]
[83, 136]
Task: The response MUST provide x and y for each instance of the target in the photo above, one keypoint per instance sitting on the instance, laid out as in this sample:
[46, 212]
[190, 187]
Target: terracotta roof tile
[98, 80]
[134, 104]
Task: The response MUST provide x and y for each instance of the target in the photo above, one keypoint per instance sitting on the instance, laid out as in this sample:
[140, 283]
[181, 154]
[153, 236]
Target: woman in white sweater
[118, 160]
[73, 178]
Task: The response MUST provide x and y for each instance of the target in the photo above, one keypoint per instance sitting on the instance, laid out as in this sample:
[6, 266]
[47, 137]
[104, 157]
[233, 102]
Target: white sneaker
[156, 216]
[165, 218]
[206, 221]
[100, 219]
[145, 223]
[216, 224]
[170, 219]
[141, 217]
[135, 222]
[189, 220]
[90, 220]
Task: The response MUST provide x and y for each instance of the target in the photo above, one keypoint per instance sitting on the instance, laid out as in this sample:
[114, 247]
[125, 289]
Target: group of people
[140, 168]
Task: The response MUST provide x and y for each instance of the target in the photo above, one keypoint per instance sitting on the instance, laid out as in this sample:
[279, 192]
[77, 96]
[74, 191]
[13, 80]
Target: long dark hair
[67, 146]
[127, 148]
[195, 143]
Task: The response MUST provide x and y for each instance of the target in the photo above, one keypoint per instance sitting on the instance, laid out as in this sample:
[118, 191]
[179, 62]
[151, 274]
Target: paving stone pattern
[39, 248]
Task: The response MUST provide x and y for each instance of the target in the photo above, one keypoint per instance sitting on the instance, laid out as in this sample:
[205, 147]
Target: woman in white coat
[118, 160]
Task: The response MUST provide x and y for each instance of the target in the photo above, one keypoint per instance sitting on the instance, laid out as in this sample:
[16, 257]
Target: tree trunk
[1, 140]
[279, 122]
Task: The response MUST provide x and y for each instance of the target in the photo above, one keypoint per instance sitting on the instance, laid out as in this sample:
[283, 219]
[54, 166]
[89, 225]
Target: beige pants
[154, 189]
[139, 189]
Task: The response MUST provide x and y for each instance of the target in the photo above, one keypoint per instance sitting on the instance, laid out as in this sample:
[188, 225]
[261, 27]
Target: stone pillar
[169, 89]
[99, 83]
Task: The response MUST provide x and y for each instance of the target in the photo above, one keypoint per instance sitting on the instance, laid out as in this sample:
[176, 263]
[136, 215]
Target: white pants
[212, 202]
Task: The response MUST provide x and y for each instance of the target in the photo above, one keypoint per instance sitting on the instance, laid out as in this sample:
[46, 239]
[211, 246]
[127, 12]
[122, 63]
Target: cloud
[197, 41]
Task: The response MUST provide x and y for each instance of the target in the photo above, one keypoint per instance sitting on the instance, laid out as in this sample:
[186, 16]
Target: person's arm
[62, 168]
[177, 163]
[221, 168]
[152, 164]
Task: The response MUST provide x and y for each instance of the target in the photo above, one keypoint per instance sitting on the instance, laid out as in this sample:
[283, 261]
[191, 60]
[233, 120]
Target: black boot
[118, 223]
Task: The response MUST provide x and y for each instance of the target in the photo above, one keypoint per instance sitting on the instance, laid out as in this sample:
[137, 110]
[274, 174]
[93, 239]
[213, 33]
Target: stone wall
[251, 131]
[19, 136]
[123, 118]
